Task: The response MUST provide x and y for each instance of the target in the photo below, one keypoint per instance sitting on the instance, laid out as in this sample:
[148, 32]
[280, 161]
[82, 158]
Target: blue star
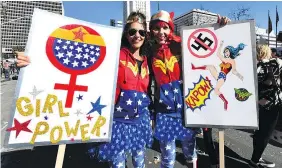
[46, 117]
[79, 97]
[96, 106]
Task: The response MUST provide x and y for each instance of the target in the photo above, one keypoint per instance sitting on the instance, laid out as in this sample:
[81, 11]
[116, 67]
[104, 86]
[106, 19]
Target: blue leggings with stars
[168, 152]
[137, 160]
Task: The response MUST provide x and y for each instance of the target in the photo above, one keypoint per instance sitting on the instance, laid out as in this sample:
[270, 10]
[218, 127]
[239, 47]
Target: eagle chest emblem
[134, 68]
[168, 64]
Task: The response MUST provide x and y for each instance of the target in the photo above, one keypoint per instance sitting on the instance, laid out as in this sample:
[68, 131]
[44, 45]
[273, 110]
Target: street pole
[268, 27]
[1, 38]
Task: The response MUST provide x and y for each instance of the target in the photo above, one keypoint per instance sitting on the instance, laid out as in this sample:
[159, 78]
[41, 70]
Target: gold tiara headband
[135, 19]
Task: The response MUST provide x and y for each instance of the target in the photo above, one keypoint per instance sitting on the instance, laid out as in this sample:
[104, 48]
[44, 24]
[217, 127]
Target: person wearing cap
[165, 61]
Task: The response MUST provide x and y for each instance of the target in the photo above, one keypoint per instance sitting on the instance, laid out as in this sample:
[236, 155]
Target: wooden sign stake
[221, 148]
[60, 156]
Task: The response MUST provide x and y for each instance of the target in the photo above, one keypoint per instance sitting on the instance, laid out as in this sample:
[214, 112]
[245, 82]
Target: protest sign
[66, 95]
[219, 70]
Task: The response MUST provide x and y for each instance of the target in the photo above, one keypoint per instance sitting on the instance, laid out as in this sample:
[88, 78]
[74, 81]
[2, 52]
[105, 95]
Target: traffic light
[113, 22]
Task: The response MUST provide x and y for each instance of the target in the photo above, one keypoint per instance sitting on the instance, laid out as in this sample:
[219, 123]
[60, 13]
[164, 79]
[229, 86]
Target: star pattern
[169, 128]
[89, 118]
[80, 97]
[78, 112]
[131, 104]
[35, 92]
[171, 97]
[75, 55]
[18, 127]
[96, 106]
[79, 35]
[127, 138]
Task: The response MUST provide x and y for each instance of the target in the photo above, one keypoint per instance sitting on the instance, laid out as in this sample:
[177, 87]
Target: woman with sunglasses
[165, 62]
[131, 130]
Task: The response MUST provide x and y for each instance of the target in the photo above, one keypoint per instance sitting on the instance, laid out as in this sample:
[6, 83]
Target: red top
[129, 77]
[225, 67]
[165, 66]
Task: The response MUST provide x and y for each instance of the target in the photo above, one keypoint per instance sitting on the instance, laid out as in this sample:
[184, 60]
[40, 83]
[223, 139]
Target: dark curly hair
[133, 17]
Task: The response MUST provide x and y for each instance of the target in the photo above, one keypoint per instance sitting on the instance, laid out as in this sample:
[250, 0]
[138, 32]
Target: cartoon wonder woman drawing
[228, 64]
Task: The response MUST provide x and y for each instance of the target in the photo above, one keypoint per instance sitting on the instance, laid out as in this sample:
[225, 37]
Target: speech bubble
[199, 94]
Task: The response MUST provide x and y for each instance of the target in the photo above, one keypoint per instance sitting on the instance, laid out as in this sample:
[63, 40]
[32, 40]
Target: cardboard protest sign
[219, 70]
[66, 95]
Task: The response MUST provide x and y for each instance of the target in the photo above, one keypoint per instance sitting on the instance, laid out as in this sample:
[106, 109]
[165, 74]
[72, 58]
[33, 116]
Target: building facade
[262, 38]
[142, 6]
[194, 17]
[16, 20]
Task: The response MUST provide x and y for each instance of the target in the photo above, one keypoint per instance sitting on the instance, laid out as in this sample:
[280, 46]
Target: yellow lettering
[28, 107]
[52, 136]
[50, 101]
[72, 130]
[38, 131]
[99, 123]
[84, 132]
[61, 110]
[37, 112]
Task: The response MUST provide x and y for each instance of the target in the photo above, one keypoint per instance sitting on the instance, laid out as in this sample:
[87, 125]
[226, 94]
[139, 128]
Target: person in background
[7, 69]
[269, 71]
[274, 53]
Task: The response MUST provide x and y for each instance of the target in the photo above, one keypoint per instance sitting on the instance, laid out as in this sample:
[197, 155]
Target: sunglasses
[132, 32]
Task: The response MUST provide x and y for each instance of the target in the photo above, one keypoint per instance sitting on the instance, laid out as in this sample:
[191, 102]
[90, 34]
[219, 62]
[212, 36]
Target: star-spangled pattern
[130, 105]
[80, 97]
[75, 55]
[35, 92]
[127, 138]
[137, 159]
[171, 128]
[168, 151]
[97, 106]
[171, 97]
[18, 127]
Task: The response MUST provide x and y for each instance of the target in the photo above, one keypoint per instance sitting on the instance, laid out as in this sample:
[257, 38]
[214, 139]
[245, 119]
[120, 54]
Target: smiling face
[136, 35]
[226, 53]
[161, 31]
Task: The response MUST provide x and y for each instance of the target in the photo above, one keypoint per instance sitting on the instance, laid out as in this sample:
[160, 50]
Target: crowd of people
[134, 134]
[8, 68]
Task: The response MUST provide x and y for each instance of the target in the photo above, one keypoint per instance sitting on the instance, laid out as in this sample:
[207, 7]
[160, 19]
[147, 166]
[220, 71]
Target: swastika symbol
[199, 41]
[202, 43]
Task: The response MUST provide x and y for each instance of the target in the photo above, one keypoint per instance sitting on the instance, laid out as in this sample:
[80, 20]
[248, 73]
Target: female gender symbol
[75, 50]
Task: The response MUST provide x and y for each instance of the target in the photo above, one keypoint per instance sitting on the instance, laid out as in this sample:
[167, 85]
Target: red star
[19, 127]
[89, 118]
[78, 35]
[72, 139]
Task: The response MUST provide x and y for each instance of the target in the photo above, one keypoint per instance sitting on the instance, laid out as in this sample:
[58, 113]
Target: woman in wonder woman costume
[228, 64]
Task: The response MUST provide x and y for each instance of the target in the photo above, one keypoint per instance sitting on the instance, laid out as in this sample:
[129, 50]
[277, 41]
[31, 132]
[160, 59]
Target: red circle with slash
[192, 36]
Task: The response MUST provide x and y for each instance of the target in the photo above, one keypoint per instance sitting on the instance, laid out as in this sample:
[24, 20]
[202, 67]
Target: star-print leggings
[137, 160]
[168, 151]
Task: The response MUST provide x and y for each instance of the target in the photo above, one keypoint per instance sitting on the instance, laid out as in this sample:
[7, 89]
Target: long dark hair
[133, 17]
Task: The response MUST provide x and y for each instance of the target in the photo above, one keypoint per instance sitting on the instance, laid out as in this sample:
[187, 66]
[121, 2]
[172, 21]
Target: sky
[102, 11]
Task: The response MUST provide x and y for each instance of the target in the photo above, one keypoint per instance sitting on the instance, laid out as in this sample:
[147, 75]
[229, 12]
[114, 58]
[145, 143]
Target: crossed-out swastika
[202, 43]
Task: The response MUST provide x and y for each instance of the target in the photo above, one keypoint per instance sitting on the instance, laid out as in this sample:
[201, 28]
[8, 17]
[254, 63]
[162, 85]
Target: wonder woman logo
[168, 64]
